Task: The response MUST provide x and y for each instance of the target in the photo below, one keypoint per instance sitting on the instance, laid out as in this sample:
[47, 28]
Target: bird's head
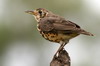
[39, 13]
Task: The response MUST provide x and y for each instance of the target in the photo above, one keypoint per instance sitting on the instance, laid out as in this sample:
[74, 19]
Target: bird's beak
[30, 12]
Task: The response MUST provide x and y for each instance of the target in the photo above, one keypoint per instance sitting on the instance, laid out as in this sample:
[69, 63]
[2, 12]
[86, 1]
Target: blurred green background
[22, 45]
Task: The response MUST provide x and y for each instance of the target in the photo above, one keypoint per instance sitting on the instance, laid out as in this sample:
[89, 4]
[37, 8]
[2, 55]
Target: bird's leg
[60, 48]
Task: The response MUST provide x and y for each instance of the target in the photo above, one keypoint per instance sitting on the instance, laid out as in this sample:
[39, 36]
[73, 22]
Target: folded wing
[49, 24]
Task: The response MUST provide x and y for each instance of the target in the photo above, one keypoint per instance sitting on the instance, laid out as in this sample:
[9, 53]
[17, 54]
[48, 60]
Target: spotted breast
[57, 36]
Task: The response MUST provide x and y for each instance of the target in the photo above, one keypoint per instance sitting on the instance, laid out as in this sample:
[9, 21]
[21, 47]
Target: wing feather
[60, 24]
[48, 24]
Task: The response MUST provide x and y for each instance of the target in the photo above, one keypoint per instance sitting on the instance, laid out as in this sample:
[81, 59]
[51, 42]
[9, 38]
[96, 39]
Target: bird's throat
[37, 18]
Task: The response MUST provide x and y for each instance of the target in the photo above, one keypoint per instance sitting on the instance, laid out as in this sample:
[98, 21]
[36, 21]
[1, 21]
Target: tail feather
[86, 33]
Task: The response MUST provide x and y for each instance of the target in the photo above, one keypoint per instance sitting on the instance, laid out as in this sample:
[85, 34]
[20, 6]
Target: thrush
[56, 28]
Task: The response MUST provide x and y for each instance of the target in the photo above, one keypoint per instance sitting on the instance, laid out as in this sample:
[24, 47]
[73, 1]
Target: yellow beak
[30, 12]
[34, 12]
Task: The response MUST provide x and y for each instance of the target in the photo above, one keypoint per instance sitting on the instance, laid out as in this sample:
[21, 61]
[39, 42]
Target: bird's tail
[86, 33]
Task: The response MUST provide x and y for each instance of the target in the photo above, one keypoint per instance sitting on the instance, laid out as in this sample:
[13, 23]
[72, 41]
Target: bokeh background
[22, 45]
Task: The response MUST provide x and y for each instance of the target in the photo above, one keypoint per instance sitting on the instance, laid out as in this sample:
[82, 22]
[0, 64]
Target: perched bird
[56, 28]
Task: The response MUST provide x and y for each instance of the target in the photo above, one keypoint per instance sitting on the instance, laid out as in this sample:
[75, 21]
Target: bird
[56, 28]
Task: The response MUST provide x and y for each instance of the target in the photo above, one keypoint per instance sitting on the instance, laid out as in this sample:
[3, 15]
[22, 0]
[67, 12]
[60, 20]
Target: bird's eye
[40, 12]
